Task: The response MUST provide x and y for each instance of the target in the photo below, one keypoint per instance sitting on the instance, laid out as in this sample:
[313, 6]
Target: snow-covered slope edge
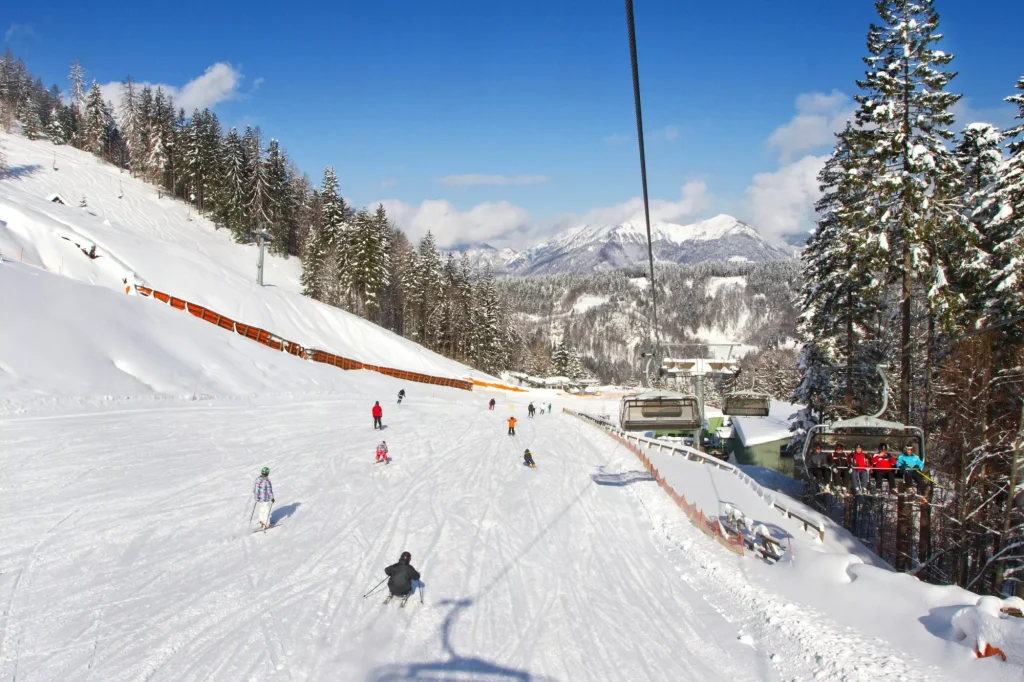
[138, 233]
[69, 342]
[830, 585]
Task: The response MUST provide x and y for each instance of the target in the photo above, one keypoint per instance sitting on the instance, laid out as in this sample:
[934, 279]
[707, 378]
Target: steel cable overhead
[643, 166]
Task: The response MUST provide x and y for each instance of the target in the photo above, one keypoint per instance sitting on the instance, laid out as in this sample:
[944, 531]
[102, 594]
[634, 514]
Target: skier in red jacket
[858, 462]
[378, 412]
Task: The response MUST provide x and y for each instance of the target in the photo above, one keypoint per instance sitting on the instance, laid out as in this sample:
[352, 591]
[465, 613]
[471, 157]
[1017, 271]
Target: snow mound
[989, 625]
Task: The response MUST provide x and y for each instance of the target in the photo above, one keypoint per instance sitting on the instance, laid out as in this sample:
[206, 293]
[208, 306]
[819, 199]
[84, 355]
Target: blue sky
[504, 121]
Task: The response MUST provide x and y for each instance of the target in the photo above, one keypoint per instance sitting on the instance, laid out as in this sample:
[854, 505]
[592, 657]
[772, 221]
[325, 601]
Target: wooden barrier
[275, 342]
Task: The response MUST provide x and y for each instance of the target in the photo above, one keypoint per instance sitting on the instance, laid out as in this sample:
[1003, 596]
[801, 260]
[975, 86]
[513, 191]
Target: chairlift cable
[643, 167]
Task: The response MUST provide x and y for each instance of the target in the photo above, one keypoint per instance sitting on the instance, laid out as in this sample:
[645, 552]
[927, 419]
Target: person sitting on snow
[528, 458]
[382, 453]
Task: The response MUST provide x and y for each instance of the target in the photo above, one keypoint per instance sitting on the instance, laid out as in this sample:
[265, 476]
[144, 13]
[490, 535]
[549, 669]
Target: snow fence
[276, 342]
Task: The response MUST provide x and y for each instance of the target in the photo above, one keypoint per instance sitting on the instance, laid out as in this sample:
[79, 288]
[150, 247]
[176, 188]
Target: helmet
[265, 471]
[405, 558]
[526, 451]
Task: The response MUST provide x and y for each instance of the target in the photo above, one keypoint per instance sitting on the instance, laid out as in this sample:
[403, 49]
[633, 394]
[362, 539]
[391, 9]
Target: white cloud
[693, 199]
[503, 224]
[1001, 117]
[451, 226]
[819, 116]
[782, 202]
[219, 83]
[474, 179]
[618, 138]
[666, 134]
[18, 32]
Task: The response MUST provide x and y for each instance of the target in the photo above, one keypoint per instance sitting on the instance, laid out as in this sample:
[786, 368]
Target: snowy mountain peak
[590, 247]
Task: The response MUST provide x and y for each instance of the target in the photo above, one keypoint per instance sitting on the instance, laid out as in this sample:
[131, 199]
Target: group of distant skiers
[400, 575]
[836, 468]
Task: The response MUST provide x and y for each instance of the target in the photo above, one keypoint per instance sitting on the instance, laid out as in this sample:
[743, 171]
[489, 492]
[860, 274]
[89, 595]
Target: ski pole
[422, 587]
[253, 511]
[374, 589]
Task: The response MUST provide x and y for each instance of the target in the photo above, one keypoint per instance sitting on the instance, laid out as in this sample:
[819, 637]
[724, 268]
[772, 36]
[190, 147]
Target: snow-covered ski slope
[68, 345]
[164, 245]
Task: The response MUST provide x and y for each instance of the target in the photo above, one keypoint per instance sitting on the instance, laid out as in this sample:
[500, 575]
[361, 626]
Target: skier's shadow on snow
[455, 668]
[282, 513]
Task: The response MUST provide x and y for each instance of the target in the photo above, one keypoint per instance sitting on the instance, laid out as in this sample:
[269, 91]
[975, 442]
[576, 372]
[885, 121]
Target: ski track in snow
[129, 556]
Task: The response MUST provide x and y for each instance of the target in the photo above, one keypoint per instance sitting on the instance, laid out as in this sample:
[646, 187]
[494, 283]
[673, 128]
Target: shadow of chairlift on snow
[454, 668]
[620, 479]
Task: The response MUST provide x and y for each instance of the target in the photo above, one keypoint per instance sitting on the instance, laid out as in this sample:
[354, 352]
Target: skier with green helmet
[263, 491]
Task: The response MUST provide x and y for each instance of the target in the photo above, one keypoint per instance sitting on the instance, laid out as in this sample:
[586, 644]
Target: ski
[388, 598]
[404, 599]
[264, 530]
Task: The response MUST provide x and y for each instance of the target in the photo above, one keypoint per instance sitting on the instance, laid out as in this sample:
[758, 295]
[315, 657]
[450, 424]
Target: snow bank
[165, 246]
[68, 341]
[990, 629]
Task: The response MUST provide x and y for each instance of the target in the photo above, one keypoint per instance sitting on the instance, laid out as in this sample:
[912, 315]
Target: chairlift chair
[747, 403]
[659, 410]
[870, 432]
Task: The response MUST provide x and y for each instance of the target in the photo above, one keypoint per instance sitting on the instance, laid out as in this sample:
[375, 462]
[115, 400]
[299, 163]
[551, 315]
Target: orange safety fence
[275, 342]
[709, 525]
[488, 384]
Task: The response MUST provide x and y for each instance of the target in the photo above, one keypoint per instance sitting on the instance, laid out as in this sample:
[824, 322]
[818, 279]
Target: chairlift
[747, 403]
[659, 410]
[868, 431]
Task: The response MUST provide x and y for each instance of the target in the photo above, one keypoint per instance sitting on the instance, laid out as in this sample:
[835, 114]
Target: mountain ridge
[594, 247]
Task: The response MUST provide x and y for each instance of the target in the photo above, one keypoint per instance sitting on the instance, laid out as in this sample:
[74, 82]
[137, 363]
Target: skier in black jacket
[401, 576]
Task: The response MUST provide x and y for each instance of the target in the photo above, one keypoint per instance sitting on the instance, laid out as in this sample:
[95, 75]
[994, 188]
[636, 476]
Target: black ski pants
[377, 424]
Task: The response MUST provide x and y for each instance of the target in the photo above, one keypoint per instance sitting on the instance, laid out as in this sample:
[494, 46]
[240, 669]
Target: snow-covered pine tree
[76, 76]
[1007, 226]
[905, 112]
[316, 264]
[561, 359]
[428, 292]
[95, 121]
[844, 262]
[334, 223]
[486, 338]
[234, 204]
[979, 154]
[55, 128]
[130, 119]
[28, 114]
[3, 163]
[281, 216]
[260, 199]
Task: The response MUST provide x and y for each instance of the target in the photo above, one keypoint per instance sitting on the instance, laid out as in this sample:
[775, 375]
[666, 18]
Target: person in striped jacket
[263, 491]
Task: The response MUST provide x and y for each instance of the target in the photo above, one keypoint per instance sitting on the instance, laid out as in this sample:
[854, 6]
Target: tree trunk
[1011, 494]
